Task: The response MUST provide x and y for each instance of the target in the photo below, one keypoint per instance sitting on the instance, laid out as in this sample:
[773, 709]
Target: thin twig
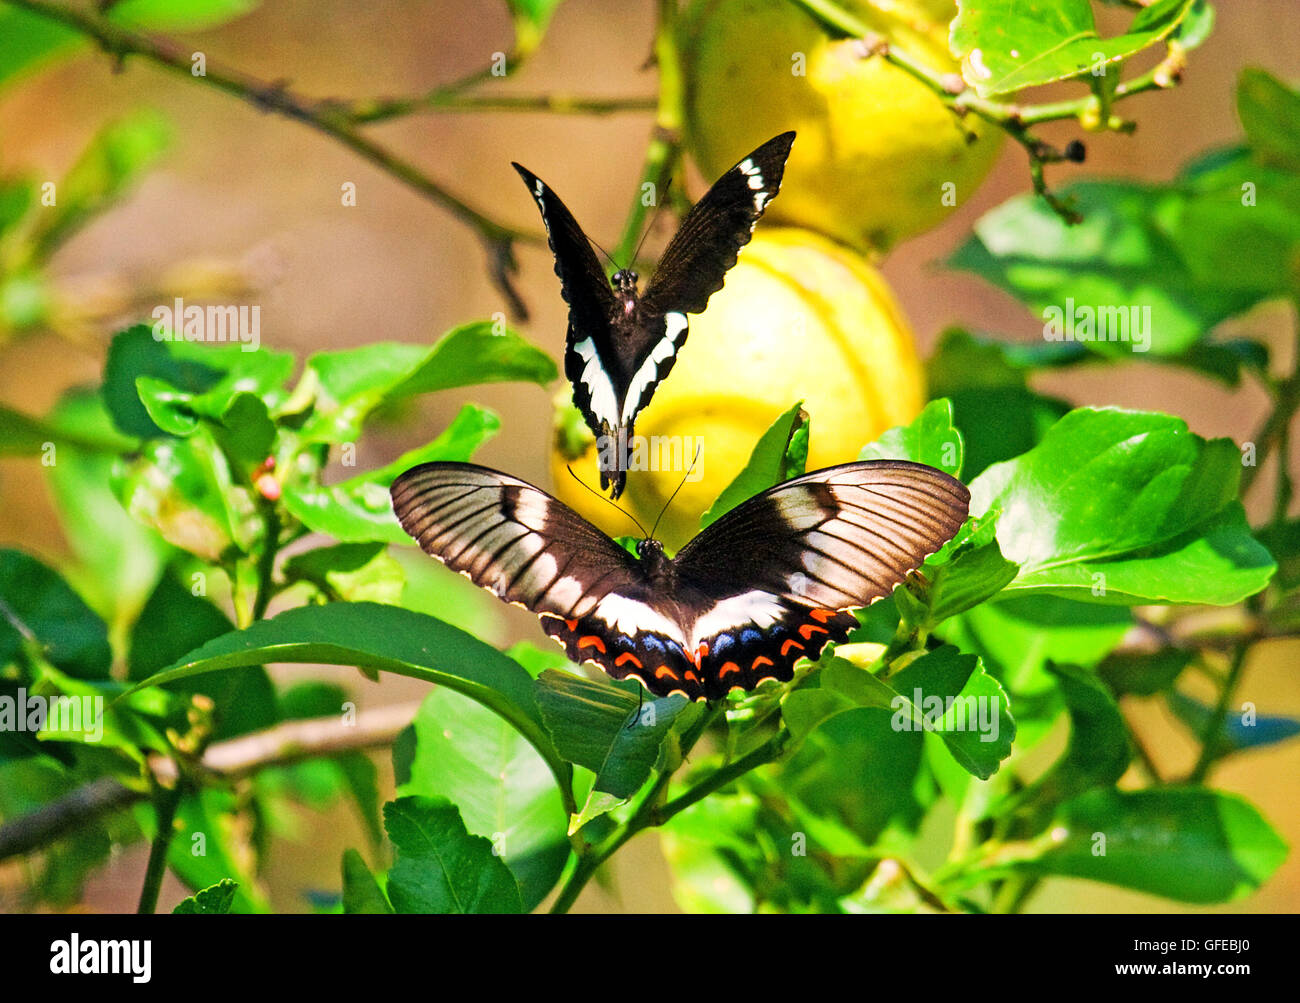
[233, 759]
[328, 117]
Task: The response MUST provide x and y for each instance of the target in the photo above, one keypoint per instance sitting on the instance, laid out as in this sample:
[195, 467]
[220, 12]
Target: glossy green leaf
[1007, 45]
[351, 383]
[1121, 272]
[1123, 507]
[930, 438]
[357, 572]
[441, 867]
[360, 509]
[361, 892]
[214, 900]
[460, 750]
[969, 570]
[1186, 844]
[598, 725]
[767, 465]
[385, 638]
[209, 847]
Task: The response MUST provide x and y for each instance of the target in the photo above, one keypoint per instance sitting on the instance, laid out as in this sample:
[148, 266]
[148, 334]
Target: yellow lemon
[800, 318]
[878, 157]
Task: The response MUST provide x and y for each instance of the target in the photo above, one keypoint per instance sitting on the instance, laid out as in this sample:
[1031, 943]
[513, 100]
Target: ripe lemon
[878, 156]
[800, 318]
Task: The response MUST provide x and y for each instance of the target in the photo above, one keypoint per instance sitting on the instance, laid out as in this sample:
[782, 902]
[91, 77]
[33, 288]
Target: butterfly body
[620, 343]
[768, 583]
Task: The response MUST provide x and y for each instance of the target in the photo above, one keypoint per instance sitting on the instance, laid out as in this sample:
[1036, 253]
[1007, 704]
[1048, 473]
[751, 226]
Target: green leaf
[589, 722]
[458, 749]
[27, 39]
[967, 571]
[440, 867]
[766, 467]
[1018, 636]
[361, 892]
[1098, 752]
[931, 439]
[942, 691]
[1007, 45]
[1121, 273]
[1124, 507]
[206, 374]
[986, 380]
[180, 15]
[215, 900]
[357, 572]
[1270, 113]
[531, 18]
[1187, 844]
[385, 638]
[360, 508]
[180, 488]
[23, 435]
[208, 848]
[352, 383]
[1143, 673]
[173, 622]
[38, 608]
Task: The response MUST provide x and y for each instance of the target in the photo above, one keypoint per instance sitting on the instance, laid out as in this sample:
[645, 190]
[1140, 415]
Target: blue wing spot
[721, 643]
[750, 636]
[652, 643]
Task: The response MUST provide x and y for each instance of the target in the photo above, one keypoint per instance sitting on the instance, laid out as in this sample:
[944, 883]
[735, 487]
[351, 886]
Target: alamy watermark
[674, 453]
[951, 713]
[1079, 322]
[214, 323]
[66, 715]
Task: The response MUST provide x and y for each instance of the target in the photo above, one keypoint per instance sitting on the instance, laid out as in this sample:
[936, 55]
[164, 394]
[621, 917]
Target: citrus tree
[218, 524]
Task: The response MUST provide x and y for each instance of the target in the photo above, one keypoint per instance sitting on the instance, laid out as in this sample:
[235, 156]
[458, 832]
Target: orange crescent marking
[806, 631]
[664, 670]
[692, 676]
[764, 659]
[728, 667]
[790, 642]
[627, 656]
[571, 624]
[591, 641]
[821, 615]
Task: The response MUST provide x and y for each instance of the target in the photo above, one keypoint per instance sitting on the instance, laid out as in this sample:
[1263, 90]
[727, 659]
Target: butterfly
[771, 581]
[621, 344]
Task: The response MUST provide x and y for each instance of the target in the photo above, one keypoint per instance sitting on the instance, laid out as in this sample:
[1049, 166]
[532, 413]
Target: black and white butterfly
[621, 344]
[769, 582]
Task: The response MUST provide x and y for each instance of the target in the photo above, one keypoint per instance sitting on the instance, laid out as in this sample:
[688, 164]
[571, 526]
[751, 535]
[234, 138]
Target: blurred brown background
[248, 187]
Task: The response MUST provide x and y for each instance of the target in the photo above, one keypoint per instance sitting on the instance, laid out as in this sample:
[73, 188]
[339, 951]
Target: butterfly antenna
[659, 204]
[644, 534]
[685, 476]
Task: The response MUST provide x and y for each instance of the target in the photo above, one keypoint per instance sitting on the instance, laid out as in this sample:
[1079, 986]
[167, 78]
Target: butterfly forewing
[619, 346]
[707, 244]
[511, 538]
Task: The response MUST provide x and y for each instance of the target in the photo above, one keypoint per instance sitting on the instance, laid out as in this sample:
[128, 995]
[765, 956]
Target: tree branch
[234, 759]
[328, 117]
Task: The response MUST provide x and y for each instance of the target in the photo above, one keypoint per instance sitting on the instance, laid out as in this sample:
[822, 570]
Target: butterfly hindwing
[770, 582]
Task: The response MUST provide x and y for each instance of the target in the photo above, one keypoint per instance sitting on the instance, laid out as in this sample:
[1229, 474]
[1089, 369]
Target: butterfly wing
[706, 245]
[589, 360]
[530, 549]
[776, 576]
